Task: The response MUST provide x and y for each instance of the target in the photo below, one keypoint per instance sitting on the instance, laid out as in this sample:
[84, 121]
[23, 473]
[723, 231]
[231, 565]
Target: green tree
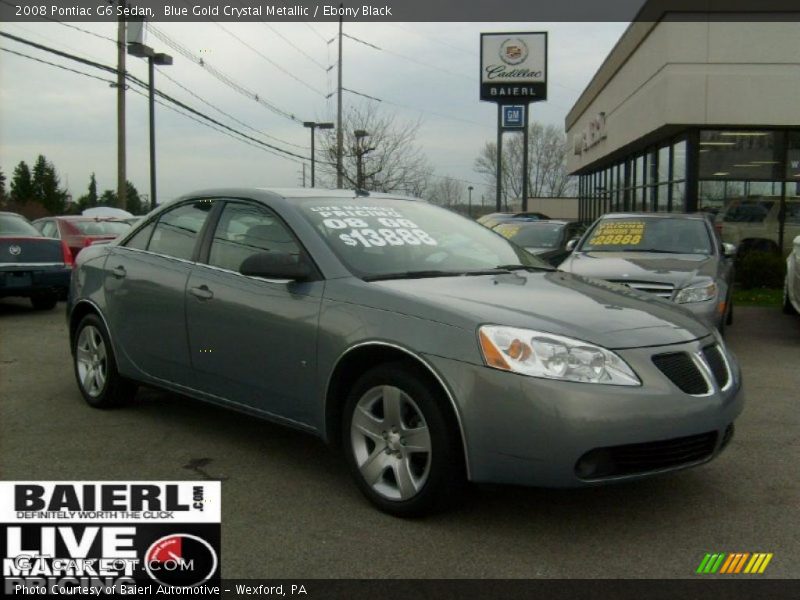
[46, 190]
[2, 185]
[108, 198]
[89, 200]
[21, 184]
[133, 202]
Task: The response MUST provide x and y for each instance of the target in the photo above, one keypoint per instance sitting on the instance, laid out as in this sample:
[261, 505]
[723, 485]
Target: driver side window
[244, 230]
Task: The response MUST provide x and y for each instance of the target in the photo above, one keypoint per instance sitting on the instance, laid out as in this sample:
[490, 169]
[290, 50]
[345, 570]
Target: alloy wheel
[92, 361]
[391, 442]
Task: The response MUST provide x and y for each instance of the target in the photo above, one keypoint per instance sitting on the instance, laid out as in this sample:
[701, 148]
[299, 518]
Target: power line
[163, 73]
[52, 64]
[143, 84]
[194, 94]
[269, 60]
[188, 54]
[208, 121]
[290, 42]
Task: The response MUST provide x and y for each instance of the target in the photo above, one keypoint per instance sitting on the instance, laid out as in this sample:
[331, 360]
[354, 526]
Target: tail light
[87, 242]
[67, 254]
[718, 227]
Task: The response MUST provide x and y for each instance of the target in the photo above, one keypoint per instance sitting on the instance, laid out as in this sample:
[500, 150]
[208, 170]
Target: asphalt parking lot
[291, 511]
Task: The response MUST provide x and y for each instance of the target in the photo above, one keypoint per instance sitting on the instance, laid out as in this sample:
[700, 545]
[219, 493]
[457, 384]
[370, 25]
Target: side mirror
[277, 265]
[571, 244]
[796, 242]
[729, 250]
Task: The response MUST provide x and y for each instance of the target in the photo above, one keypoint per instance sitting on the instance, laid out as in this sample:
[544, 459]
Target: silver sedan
[430, 349]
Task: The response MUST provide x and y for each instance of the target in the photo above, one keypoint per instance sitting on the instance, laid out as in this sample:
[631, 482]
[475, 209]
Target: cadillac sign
[514, 67]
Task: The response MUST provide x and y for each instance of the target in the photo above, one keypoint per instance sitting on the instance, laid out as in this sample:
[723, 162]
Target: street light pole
[153, 58]
[469, 189]
[312, 125]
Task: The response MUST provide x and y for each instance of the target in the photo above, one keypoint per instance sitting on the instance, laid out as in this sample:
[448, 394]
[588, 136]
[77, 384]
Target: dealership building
[691, 113]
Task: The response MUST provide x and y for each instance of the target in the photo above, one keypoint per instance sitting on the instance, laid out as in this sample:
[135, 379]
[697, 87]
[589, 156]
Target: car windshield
[642, 234]
[390, 238]
[16, 225]
[748, 211]
[102, 227]
[532, 235]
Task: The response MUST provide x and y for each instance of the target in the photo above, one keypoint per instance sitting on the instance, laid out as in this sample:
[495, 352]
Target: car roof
[291, 195]
[538, 222]
[651, 215]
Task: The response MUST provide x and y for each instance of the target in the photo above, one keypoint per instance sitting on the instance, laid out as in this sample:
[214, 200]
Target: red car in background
[79, 232]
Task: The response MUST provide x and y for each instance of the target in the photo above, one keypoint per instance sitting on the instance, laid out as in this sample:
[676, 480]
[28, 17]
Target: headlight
[540, 354]
[697, 293]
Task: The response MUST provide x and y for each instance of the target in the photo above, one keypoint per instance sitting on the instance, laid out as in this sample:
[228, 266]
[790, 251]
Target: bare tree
[380, 152]
[547, 164]
[447, 192]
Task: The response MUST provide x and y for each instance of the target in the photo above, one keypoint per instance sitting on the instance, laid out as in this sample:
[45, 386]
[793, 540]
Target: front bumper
[530, 431]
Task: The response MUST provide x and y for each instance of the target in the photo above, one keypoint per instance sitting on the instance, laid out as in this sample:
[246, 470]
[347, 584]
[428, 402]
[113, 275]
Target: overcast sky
[424, 70]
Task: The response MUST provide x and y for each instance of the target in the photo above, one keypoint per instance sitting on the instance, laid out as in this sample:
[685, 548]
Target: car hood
[677, 269]
[600, 312]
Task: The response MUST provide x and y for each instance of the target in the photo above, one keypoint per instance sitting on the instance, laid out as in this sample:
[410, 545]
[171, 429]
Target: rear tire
[44, 301]
[96, 368]
[401, 443]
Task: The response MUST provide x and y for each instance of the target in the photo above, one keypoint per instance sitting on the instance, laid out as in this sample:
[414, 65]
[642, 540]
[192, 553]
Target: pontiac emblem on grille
[14, 250]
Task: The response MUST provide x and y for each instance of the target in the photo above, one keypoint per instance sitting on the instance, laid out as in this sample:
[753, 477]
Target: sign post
[513, 74]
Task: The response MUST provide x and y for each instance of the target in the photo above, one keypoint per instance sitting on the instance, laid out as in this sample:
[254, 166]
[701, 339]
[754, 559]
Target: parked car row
[429, 349]
[36, 258]
[676, 257]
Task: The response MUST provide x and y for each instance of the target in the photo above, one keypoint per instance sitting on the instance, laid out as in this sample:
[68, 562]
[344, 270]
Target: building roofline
[651, 14]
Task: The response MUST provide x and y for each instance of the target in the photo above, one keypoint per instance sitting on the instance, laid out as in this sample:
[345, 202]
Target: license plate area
[18, 279]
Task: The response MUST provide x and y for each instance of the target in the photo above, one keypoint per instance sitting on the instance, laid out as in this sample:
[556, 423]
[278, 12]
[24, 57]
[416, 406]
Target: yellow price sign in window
[618, 233]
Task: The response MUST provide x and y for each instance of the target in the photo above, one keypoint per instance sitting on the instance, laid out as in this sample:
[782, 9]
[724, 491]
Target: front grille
[631, 459]
[662, 290]
[716, 362]
[682, 371]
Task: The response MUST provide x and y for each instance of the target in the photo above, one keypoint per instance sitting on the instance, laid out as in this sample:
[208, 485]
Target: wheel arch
[82, 308]
[363, 356]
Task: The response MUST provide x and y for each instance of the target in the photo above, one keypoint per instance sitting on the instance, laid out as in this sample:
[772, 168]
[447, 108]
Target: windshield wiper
[412, 275]
[525, 268]
[656, 250]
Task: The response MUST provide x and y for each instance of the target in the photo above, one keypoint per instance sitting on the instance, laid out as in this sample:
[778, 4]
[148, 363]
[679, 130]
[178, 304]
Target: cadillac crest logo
[14, 250]
[513, 51]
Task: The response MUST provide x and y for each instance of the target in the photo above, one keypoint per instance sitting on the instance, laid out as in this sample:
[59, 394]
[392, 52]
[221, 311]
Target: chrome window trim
[175, 258]
[38, 264]
[224, 270]
[422, 362]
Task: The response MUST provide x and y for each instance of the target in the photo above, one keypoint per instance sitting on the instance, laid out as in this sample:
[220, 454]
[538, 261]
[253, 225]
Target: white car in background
[791, 287]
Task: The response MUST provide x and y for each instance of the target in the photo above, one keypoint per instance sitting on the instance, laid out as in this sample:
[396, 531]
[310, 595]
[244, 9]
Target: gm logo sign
[513, 116]
[734, 563]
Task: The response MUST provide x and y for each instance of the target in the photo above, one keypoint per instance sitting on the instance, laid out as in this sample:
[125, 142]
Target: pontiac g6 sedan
[430, 349]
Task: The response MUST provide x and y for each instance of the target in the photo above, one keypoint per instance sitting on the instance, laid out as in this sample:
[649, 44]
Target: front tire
[95, 366]
[400, 442]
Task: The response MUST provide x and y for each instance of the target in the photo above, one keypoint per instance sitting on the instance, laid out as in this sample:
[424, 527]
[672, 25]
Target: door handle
[202, 292]
[119, 272]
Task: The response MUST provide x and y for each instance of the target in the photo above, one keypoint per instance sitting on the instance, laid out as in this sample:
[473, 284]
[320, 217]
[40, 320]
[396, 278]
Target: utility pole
[469, 189]
[122, 182]
[525, 162]
[304, 174]
[499, 165]
[339, 133]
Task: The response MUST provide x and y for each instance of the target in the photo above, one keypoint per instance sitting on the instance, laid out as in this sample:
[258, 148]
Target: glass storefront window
[663, 198]
[740, 155]
[679, 161]
[663, 165]
[793, 157]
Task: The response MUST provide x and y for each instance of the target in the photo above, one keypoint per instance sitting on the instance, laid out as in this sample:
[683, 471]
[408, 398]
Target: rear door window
[177, 230]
